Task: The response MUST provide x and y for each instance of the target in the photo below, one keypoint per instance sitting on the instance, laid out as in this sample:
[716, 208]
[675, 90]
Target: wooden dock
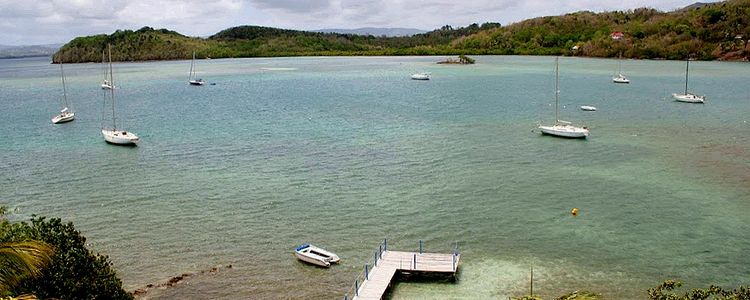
[390, 264]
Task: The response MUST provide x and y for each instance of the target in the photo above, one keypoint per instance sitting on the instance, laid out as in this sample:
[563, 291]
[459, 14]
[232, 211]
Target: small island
[461, 60]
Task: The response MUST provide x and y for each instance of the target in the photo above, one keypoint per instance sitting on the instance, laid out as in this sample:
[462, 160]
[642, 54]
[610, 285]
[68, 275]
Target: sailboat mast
[65, 90]
[104, 61]
[557, 89]
[112, 90]
[190, 77]
[687, 69]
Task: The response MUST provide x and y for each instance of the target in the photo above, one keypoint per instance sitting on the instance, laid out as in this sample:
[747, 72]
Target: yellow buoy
[574, 211]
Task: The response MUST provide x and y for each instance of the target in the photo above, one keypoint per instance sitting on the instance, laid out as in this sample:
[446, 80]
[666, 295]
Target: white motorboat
[114, 135]
[120, 137]
[315, 255]
[106, 85]
[562, 128]
[420, 76]
[191, 79]
[588, 108]
[66, 115]
[688, 97]
[620, 79]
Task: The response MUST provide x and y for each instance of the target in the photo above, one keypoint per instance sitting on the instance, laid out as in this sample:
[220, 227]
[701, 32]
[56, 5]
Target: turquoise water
[345, 151]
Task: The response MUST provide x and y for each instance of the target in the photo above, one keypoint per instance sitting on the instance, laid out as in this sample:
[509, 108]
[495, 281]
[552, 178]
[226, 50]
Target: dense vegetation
[711, 31]
[708, 31]
[664, 292]
[74, 271]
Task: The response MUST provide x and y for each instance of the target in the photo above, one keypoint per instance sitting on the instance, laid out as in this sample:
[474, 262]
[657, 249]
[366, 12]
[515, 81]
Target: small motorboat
[588, 108]
[316, 256]
[420, 76]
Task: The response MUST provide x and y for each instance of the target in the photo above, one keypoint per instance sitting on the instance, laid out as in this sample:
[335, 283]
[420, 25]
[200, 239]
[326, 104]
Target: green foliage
[21, 260]
[664, 292]
[465, 59]
[580, 295]
[708, 32]
[74, 272]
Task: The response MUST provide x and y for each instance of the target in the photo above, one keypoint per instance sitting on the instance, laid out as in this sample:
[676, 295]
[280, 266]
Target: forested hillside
[710, 31]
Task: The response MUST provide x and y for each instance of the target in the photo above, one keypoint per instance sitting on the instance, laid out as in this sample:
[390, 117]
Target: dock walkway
[387, 264]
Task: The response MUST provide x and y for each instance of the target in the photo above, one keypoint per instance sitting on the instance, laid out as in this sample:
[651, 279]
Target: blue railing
[364, 275]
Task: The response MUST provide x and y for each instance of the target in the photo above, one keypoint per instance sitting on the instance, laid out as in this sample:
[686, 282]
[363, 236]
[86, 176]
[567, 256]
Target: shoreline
[442, 62]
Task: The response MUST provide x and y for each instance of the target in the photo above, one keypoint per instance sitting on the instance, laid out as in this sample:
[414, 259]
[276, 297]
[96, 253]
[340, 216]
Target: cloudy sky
[29, 22]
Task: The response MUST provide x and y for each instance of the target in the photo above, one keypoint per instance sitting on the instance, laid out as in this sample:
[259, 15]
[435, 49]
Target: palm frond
[19, 260]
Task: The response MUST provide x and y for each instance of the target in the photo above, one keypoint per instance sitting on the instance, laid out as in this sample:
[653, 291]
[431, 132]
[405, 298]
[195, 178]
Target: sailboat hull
[63, 117]
[620, 79]
[196, 82]
[566, 131]
[688, 98]
[120, 137]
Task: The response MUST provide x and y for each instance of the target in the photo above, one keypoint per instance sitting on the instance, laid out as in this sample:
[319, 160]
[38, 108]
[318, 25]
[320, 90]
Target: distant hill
[695, 5]
[389, 32]
[718, 30]
[7, 51]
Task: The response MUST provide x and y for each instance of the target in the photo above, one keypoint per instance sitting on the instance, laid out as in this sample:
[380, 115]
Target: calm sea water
[343, 152]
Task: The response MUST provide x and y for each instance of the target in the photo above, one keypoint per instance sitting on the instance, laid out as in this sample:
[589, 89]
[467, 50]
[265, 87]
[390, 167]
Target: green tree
[20, 260]
[74, 272]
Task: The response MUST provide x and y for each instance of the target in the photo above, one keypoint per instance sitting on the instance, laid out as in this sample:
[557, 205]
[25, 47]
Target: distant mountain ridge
[375, 31]
[7, 51]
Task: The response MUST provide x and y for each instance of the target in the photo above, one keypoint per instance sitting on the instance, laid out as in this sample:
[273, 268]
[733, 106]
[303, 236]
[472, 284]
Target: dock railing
[377, 255]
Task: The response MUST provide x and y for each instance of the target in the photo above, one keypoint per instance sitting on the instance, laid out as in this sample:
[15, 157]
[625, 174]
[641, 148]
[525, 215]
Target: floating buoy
[574, 211]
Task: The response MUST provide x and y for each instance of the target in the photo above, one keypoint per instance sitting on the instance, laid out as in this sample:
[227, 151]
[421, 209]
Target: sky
[34, 22]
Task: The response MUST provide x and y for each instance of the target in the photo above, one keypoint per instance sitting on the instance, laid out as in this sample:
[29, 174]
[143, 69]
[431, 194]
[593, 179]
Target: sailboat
[421, 76]
[66, 114]
[562, 128]
[688, 97]
[105, 83]
[619, 78]
[114, 135]
[191, 79]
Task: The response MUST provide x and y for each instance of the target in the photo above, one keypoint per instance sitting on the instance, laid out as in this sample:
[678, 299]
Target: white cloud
[58, 21]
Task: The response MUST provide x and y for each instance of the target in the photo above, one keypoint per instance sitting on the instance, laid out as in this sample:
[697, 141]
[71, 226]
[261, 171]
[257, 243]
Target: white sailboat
[114, 135]
[421, 76]
[688, 97]
[192, 80]
[562, 128]
[66, 114]
[105, 82]
[620, 78]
